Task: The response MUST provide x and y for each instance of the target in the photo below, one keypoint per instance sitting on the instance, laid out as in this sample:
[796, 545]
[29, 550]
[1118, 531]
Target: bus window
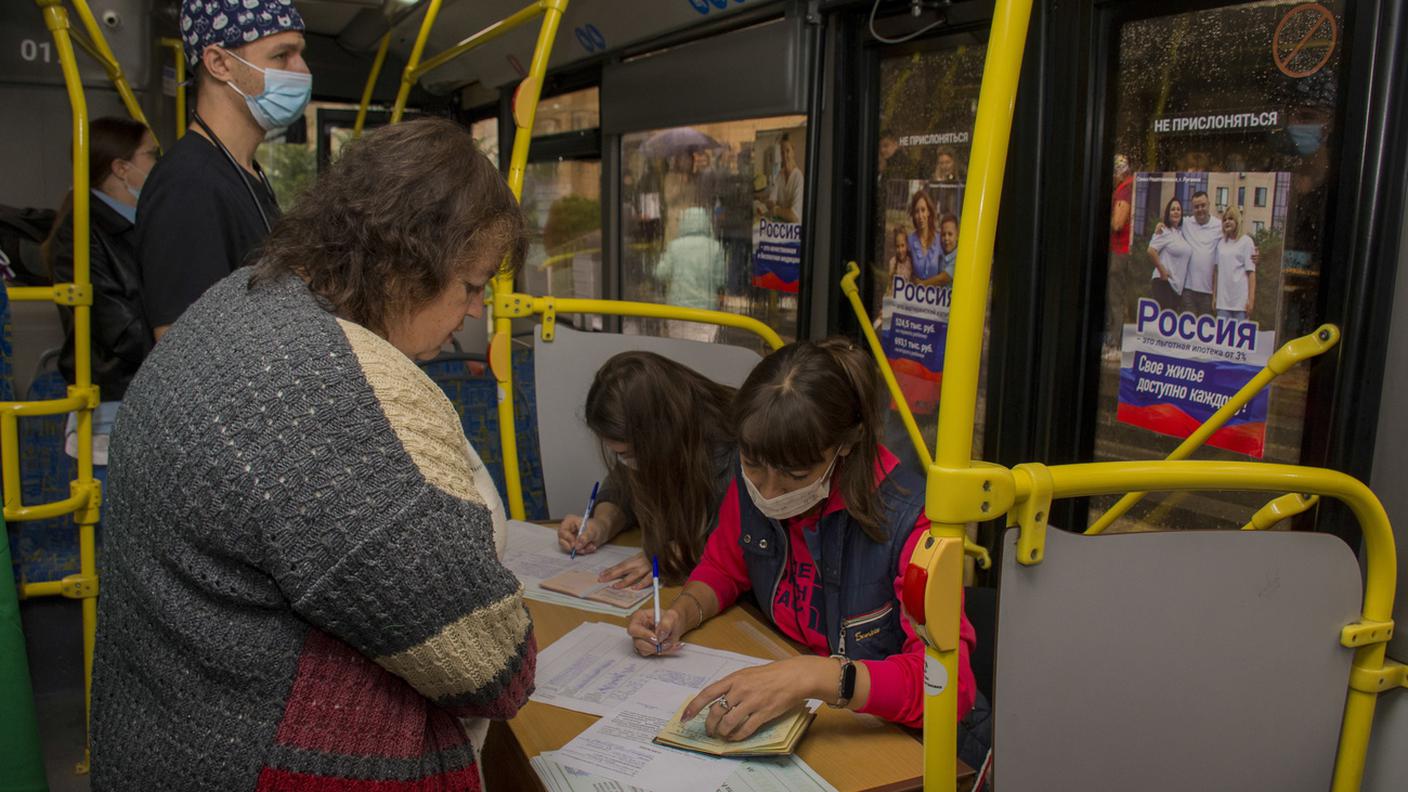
[1222, 149]
[711, 218]
[562, 204]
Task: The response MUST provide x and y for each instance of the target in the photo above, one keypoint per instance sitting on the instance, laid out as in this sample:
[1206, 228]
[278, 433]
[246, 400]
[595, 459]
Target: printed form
[620, 746]
[593, 669]
[770, 774]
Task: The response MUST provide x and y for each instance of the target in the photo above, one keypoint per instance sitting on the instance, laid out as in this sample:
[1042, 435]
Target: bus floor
[53, 631]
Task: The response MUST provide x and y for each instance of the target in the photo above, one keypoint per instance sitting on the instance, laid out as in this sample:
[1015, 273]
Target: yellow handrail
[82, 398]
[109, 62]
[377, 63]
[848, 287]
[1380, 571]
[178, 52]
[1291, 353]
[962, 353]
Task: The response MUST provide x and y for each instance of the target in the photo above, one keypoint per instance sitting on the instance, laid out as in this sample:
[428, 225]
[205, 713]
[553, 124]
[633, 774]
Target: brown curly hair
[398, 216]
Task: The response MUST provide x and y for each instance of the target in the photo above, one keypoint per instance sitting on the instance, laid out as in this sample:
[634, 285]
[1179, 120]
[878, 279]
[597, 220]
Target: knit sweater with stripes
[300, 588]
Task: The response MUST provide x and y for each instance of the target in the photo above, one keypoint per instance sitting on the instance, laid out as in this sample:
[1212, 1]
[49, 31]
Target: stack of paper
[582, 584]
[776, 774]
[777, 738]
[533, 556]
[617, 753]
[594, 669]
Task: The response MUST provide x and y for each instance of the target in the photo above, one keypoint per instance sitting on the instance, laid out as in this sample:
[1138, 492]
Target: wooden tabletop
[851, 751]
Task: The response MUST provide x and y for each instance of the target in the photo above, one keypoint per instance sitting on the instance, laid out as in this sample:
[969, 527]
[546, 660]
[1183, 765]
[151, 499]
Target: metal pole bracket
[1032, 513]
[1366, 632]
[1372, 680]
[549, 318]
[73, 294]
[80, 586]
[955, 496]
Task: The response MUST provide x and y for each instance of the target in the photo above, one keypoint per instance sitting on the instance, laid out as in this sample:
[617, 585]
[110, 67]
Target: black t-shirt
[196, 223]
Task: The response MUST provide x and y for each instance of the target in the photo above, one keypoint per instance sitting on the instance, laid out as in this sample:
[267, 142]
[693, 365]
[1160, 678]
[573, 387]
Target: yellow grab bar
[371, 85]
[1290, 353]
[109, 62]
[179, 58]
[848, 287]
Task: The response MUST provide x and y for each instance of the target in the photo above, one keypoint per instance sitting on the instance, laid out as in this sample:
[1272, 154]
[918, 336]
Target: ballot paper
[533, 556]
[619, 746]
[594, 669]
[772, 774]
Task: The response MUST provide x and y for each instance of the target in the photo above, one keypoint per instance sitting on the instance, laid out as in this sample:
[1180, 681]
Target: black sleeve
[184, 246]
[118, 321]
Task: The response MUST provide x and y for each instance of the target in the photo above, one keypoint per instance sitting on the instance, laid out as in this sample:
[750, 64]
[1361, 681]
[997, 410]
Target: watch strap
[846, 686]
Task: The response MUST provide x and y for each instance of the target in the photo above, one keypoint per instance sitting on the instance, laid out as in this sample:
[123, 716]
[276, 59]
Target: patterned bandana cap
[233, 23]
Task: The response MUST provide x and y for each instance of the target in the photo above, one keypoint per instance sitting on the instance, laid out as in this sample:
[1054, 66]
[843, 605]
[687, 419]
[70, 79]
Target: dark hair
[810, 397]
[1168, 207]
[1203, 193]
[394, 220]
[928, 201]
[109, 139]
[948, 217]
[675, 420]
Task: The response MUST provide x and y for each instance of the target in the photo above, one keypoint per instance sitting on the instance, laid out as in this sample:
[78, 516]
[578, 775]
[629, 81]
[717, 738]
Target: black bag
[22, 231]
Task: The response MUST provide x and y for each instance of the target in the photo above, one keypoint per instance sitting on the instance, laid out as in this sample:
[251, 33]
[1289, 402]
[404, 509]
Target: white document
[755, 774]
[593, 669]
[533, 556]
[619, 746]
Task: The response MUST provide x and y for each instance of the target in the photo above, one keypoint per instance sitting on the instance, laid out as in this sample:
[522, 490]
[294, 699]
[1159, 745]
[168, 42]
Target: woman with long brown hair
[669, 448]
[820, 525]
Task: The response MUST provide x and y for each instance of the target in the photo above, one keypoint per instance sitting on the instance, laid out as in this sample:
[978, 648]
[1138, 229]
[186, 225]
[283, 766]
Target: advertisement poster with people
[777, 209]
[1197, 276]
[920, 250]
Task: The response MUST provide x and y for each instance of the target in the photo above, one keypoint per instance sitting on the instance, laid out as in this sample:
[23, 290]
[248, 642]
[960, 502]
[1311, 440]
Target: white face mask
[791, 504]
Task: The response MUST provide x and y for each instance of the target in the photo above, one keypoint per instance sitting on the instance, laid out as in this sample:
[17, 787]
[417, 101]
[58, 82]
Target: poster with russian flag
[1183, 367]
[777, 256]
[778, 190]
[1202, 282]
[913, 331]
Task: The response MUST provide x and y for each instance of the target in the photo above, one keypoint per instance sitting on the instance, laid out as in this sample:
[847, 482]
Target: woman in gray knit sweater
[301, 583]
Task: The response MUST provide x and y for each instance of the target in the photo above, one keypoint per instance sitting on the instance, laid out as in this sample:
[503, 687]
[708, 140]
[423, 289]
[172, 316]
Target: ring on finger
[723, 702]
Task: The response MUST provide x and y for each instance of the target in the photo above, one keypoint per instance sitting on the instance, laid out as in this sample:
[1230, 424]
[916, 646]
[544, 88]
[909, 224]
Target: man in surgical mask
[207, 206]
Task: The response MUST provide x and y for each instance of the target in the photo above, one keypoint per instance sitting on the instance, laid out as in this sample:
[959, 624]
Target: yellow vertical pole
[377, 63]
[56, 18]
[962, 355]
[525, 108]
[408, 76]
[119, 80]
[179, 56]
[371, 83]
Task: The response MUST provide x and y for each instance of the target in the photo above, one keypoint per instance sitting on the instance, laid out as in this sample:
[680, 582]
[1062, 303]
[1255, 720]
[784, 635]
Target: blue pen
[655, 575]
[586, 515]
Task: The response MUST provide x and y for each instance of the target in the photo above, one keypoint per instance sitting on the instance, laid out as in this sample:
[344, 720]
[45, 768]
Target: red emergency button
[916, 581]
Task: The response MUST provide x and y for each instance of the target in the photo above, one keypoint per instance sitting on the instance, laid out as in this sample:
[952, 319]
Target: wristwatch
[846, 688]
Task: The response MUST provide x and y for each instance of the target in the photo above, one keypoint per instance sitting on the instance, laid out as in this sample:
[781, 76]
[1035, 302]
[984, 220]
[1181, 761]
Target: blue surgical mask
[285, 95]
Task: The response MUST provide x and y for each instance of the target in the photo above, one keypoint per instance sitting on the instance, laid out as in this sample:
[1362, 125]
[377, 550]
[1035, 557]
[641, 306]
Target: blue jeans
[1221, 314]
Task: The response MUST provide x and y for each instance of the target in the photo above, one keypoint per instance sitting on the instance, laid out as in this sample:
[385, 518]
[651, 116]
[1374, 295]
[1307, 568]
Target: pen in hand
[586, 515]
[655, 581]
